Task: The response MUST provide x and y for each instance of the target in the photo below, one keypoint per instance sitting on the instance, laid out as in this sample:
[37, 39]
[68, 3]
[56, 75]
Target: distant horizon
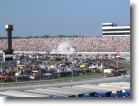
[59, 35]
[35, 36]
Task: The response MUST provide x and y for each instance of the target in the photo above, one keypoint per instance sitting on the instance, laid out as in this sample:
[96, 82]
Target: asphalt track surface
[70, 83]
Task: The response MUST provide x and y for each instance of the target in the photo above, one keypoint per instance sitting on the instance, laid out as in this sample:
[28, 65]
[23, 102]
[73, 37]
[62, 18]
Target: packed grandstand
[80, 43]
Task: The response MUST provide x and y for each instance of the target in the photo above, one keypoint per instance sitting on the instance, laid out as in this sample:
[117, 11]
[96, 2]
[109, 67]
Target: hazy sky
[61, 17]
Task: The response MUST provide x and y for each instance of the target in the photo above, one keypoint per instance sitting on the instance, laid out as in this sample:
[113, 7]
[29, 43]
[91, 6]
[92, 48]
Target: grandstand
[111, 29]
[80, 43]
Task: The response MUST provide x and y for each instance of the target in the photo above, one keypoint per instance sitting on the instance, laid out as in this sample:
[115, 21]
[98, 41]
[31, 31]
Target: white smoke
[64, 47]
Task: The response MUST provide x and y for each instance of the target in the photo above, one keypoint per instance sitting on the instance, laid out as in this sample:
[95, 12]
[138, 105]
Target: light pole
[72, 76]
[97, 65]
[40, 76]
[1, 68]
[17, 62]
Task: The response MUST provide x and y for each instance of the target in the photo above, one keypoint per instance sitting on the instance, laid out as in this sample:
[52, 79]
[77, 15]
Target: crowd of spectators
[81, 44]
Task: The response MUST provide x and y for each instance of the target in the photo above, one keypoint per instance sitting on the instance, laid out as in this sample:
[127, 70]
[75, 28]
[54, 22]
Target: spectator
[81, 44]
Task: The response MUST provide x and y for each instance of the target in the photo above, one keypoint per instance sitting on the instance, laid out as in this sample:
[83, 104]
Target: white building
[115, 30]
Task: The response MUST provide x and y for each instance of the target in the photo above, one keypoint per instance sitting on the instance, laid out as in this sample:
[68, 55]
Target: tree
[45, 36]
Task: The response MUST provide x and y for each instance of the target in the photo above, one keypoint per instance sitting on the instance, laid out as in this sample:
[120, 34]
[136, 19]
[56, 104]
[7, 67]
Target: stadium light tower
[9, 29]
[8, 53]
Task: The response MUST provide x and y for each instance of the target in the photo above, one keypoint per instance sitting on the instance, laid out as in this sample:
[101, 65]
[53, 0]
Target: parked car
[22, 78]
[113, 74]
[5, 79]
[51, 73]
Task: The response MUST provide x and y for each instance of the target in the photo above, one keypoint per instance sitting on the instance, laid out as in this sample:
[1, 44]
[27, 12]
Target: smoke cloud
[63, 47]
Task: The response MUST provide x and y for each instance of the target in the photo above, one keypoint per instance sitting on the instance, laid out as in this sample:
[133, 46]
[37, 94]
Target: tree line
[44, 36]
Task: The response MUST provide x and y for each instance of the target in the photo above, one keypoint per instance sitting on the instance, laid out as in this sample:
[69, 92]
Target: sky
[61, 17]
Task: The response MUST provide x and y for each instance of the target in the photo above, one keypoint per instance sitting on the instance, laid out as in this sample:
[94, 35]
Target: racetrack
[70, 83]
